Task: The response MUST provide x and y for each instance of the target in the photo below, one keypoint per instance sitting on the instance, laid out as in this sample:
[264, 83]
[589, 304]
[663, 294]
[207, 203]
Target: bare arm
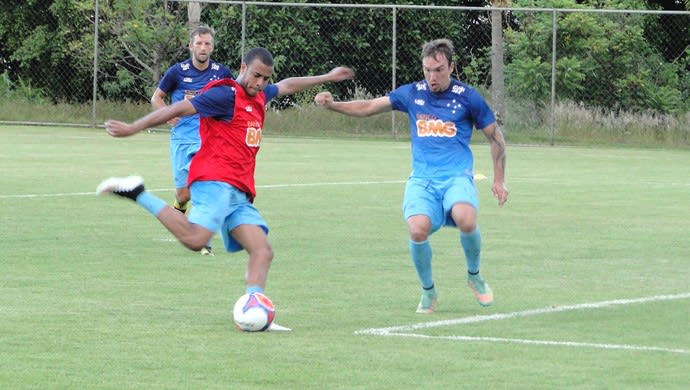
[293, 85]
[498, 154]
[157, 117]
[158, 101]
[358, 108]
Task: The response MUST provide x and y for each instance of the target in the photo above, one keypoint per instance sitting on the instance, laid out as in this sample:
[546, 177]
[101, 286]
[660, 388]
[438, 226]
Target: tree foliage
[52, 58]
[616, 61]
[141, 39]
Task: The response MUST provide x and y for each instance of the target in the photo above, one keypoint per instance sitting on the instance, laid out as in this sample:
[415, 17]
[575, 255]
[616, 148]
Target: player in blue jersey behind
[183, 81]
[440, 191]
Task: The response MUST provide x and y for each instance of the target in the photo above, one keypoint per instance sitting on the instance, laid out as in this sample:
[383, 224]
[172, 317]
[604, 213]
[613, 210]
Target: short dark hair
[201, 30]
[259, 53]
[438, 47]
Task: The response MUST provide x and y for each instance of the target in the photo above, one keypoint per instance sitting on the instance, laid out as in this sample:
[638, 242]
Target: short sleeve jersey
[441, 126]
[231, 131]
[183, 81]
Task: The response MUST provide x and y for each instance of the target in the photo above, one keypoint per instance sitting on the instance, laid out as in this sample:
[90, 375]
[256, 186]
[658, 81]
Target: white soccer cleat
[277, 328]
[128, 187]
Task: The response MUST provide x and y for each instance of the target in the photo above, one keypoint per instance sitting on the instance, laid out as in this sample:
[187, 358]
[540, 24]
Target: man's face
[437, 71]
[201, 48]
[255, 76]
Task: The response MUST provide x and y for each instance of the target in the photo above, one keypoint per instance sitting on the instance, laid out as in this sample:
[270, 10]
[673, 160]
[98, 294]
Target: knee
[195, 242]
[418, 236]
[465, 217]
[418, 233]
[195, 245]
[467, 226]
[419, 227]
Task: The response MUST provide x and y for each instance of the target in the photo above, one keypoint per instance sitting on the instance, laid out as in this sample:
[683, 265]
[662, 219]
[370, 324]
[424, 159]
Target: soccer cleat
[481, 289]
[427, 302]
[206, 251]
[277, 328]
[180, 207]
[128, 187]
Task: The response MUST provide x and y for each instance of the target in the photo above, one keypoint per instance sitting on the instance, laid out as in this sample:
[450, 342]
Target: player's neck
[200, 65]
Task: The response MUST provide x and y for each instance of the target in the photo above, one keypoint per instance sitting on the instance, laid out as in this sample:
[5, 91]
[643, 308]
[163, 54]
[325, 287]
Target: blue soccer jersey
[441, 126]
[184, 81]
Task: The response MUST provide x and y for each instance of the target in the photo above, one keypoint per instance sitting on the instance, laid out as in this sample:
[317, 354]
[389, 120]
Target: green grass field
[588, 261]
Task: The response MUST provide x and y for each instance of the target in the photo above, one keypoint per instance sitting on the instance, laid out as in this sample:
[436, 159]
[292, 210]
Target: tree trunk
[193, 14]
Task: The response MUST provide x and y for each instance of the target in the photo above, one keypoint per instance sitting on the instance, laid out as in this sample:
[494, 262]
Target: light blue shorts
[435, 198]
[180, 158]
[220, 207]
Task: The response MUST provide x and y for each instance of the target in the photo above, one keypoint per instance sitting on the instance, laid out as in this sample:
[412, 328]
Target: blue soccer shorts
[220, 207]
[435, 198]
[180, 157]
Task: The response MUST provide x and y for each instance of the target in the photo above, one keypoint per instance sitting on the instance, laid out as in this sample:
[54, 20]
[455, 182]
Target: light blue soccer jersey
[441, 126]
[184, 81]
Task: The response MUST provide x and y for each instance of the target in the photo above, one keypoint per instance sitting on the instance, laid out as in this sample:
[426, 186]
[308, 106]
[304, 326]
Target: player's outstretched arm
[155, 118]
[358, 108]
[293, 85]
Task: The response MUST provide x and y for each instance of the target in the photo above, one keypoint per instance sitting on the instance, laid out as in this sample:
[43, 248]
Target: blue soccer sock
[421, 258]
[472, 245]
[254, 289]
[151, 202]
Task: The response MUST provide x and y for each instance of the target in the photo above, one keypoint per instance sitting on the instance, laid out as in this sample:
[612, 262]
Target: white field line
[323, 184]
[479, 177]
[405, 330]
[546, 342]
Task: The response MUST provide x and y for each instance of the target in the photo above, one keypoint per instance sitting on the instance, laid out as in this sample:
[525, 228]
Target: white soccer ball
[253, 312]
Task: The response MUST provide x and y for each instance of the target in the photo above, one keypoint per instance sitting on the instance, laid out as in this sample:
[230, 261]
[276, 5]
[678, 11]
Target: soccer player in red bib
[221, 175]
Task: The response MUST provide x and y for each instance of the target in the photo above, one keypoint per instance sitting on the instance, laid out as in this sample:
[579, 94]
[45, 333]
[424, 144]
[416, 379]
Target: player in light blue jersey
[183, 81]
[440, 191]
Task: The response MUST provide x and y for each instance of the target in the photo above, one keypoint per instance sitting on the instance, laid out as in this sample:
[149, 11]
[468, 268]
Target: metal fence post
[552, 115]
[95, 67]
[394, 131]
[244, 28]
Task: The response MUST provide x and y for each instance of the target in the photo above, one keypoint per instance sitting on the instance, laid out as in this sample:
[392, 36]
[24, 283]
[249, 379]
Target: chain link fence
[564, 72]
